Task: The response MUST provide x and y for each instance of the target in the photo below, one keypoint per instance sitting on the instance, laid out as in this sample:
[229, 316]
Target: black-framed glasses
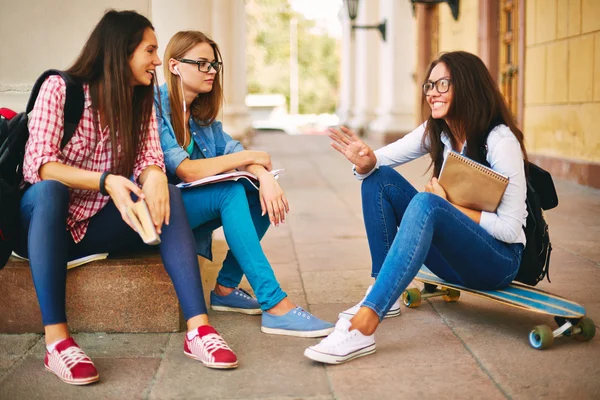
[203, 65]
[441, 85]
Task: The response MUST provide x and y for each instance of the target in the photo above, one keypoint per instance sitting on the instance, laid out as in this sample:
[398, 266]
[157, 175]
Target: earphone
[182, 93]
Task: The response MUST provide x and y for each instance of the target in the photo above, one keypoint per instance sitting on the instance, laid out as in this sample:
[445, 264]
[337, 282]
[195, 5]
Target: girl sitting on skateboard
[406, 229]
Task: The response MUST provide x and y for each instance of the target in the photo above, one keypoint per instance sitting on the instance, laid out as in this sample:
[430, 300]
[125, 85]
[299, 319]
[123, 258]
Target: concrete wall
[562, 78]
[43, 34]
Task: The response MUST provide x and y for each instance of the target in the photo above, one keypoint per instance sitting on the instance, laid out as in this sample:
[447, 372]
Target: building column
[366, 76]
[225, 22]
[397, 61]
[172, 16]
[229, 31]
[347, 70]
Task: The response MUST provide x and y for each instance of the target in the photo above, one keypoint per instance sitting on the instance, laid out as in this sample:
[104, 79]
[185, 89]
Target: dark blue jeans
[48, 244]
[407, 229]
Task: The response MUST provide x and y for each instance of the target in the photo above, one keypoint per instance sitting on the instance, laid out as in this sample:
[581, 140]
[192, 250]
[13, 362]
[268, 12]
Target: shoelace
[299, 311]
[244, 293]
[337, 337]
[213, 342]
[73, 355]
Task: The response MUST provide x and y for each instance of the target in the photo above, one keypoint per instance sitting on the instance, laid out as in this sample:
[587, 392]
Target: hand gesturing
[354, 149]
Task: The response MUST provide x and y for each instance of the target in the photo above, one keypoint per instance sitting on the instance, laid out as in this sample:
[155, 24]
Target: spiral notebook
[470, 184]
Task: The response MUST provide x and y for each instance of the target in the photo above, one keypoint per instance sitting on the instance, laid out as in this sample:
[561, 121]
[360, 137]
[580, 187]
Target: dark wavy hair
[104, 64]
[476, 108]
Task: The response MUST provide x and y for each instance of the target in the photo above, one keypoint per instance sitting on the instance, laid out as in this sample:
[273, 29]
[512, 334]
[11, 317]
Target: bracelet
[102, 184]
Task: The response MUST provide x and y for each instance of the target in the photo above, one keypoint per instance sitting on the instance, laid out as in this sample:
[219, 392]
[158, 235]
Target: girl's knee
[50, 191]
[232, 190]
[426, 201]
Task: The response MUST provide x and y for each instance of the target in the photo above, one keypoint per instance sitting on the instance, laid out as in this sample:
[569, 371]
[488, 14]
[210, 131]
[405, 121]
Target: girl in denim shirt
[407, 229]
[195, 147]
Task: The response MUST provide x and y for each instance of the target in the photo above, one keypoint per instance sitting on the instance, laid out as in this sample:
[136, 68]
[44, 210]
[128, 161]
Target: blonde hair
[206, 106]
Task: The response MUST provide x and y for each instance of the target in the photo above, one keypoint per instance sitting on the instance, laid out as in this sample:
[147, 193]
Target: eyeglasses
[203, 65]
[441, 85]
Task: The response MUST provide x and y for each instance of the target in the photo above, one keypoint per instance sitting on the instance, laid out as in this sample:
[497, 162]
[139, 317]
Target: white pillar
[347, 71]
[367, 70]
[397, 61]
[172, 16]
[229, 31]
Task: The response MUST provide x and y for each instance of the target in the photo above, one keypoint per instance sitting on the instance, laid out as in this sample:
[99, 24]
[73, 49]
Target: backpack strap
[74, 102]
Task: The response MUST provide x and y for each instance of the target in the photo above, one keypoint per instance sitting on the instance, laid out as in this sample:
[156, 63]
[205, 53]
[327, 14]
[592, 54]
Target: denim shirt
[209, 141]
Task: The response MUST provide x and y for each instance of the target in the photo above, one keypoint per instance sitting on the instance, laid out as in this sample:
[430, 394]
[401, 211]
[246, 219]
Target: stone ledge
[112, 295]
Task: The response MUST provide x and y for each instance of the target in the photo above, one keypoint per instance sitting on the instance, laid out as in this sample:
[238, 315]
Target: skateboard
[569, 315]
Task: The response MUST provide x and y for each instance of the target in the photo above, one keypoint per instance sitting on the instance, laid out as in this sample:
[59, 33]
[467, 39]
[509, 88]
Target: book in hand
[230, 176]
[139, 215]
[74, 263]
[470, 184]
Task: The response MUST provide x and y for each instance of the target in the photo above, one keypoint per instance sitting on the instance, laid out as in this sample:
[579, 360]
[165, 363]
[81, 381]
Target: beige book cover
[470, 184]
[140, 217]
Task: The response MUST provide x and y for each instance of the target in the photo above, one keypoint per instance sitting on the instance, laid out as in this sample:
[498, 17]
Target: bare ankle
[221, 290]
[282, 308]
[55, 333]
[198, 320]
[365, 321]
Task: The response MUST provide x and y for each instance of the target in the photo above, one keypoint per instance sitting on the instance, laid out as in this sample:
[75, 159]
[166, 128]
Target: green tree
[268, 56]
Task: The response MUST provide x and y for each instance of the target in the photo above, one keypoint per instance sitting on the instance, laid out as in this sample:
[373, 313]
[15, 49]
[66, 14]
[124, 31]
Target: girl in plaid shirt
[77, 203]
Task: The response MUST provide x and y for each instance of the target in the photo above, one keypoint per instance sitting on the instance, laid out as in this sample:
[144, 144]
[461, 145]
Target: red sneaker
[210, 348]
[70, 364]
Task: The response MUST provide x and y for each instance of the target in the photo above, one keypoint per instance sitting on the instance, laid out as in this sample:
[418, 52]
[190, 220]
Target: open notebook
[470, 184]
[230, 176]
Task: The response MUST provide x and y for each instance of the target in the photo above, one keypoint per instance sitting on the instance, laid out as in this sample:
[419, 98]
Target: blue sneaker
[297, 322]
[237, 301]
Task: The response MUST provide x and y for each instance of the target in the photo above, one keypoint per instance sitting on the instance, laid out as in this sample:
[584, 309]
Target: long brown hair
[104, 64]
[205, 107]
[476, 108]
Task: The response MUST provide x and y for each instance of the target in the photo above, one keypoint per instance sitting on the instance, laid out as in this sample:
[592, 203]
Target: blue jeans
[407, 229]
[228, 204]
[44, 237]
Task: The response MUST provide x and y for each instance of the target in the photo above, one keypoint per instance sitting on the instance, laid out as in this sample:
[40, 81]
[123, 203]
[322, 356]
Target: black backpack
[541, 195]
[13, 137]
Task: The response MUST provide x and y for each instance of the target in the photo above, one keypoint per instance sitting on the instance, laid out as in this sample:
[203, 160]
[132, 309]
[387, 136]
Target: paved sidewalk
[470, 349]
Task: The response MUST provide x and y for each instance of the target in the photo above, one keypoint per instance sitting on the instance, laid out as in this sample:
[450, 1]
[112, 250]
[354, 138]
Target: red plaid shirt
[85, 150]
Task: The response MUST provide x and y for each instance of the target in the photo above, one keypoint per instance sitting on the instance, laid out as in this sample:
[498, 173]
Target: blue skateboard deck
[516, 295]
[569, 315]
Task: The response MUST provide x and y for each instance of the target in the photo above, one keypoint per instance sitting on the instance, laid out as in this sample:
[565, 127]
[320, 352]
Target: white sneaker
[349, 313]
[342, 345]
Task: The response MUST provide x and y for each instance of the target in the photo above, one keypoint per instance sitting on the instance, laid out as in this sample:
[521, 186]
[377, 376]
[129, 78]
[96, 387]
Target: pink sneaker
[210, 348]
[70, 364]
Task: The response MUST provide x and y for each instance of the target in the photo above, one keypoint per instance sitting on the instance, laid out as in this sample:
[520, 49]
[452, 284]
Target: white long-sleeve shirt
[504, 156]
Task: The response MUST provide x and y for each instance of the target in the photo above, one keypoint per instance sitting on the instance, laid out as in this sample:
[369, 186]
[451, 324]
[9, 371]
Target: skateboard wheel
[411, 298]
[588, 329]
[541, 337]
[452, 295]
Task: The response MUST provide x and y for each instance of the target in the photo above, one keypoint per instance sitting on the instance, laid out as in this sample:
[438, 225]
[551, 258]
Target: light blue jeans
[407, 229]
[239, 212]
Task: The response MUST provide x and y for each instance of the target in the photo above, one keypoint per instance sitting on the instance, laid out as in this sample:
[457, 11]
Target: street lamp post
[352, 6]
[453, 4]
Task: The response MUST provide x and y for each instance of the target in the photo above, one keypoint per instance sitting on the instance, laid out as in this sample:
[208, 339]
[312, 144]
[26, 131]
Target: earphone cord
[184, 107]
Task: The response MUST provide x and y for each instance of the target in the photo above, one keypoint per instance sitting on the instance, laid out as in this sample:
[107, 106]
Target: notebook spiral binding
[478, 166]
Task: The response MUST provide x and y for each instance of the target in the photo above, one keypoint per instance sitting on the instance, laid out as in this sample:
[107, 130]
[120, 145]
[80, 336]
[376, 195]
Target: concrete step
[119, 294]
